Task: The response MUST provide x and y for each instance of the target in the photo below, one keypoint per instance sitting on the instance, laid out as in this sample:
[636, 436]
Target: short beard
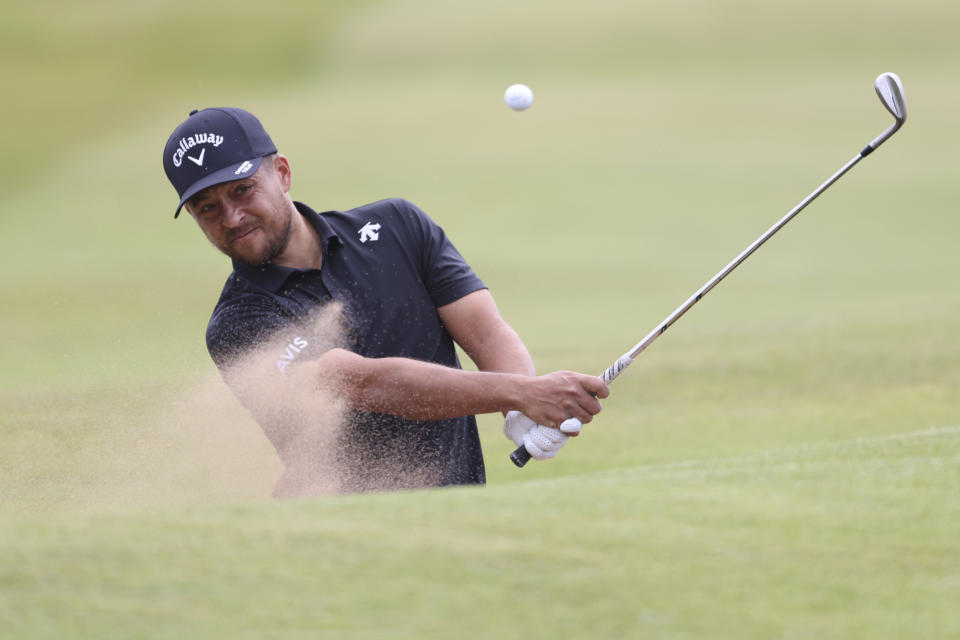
[275, 246]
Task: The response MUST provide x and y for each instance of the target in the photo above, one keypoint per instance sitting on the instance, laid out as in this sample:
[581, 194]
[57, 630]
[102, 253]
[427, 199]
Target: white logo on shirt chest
[290, 353]
[369, 231]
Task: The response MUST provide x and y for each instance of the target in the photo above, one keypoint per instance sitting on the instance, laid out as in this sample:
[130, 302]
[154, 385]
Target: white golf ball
[518, 97]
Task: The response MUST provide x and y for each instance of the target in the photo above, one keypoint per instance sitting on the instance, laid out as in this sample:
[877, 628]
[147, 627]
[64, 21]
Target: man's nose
[233, 215]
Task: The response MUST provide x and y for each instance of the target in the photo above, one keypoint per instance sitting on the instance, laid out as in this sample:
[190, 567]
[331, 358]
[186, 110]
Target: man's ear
[282, 166]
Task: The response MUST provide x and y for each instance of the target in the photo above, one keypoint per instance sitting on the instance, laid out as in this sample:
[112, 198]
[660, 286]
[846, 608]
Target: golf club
[890, 90]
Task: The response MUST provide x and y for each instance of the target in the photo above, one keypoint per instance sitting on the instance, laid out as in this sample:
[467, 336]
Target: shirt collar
[271, 276]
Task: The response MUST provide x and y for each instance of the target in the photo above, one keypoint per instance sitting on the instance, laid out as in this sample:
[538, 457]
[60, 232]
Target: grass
[792, 542]
[783, 463]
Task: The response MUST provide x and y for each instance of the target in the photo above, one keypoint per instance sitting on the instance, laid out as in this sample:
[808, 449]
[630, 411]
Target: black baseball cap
[212, 146]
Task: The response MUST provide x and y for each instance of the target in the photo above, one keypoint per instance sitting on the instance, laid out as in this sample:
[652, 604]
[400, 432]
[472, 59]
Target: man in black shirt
[405, 294]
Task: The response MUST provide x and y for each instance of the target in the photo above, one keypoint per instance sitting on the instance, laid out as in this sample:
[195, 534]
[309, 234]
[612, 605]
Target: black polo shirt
[389, 266]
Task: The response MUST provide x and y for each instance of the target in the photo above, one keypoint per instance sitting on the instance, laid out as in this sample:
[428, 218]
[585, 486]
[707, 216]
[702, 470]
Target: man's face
[249, 219]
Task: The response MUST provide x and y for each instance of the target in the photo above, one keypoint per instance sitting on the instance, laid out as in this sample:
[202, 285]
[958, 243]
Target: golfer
[406, 296]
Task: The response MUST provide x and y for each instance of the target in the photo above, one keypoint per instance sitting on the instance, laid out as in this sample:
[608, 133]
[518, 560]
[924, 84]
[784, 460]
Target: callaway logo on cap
[213, 146]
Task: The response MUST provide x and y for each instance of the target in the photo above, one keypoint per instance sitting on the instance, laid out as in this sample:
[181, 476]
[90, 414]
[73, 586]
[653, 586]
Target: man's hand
[542, 442]
[551, 399]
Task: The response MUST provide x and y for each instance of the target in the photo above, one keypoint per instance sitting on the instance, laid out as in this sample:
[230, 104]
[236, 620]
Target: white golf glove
[541, 442]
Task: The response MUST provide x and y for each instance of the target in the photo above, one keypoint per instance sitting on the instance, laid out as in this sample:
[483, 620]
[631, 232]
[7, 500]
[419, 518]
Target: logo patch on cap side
[243, 168]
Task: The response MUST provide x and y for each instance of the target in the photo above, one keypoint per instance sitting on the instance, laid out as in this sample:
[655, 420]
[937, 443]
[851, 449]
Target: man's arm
[476, 325]
[420, 390]
[424, 391]
[493, 345]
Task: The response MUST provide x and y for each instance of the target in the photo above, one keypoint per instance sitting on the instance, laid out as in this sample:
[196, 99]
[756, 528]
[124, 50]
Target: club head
[890, 90]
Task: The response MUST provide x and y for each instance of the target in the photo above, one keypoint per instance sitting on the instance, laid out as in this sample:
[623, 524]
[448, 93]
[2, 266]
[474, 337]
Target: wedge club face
[890, 90]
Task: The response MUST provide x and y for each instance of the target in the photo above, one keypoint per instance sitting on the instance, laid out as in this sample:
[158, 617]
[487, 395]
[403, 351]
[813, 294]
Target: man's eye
[205, 208]
[242, 189]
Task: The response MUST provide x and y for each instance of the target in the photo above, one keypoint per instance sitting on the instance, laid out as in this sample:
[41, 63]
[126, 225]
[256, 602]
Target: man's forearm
[418, 390]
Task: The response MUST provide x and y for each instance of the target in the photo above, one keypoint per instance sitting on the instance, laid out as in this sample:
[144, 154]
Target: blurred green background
[784, 463]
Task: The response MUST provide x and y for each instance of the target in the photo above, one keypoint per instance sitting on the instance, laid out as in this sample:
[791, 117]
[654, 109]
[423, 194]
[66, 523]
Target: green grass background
[784, 463]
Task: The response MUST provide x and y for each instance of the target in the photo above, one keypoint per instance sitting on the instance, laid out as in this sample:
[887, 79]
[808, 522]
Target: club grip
[521, 456]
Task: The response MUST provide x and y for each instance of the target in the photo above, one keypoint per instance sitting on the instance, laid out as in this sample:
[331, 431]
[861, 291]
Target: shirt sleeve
[443, 269]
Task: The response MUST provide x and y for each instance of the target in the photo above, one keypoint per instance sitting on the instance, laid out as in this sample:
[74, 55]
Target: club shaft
[624, 361]
[890, 91]
[521, 456]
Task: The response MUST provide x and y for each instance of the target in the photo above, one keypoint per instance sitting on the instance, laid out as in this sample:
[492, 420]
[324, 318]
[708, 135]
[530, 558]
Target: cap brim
[237, 171]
